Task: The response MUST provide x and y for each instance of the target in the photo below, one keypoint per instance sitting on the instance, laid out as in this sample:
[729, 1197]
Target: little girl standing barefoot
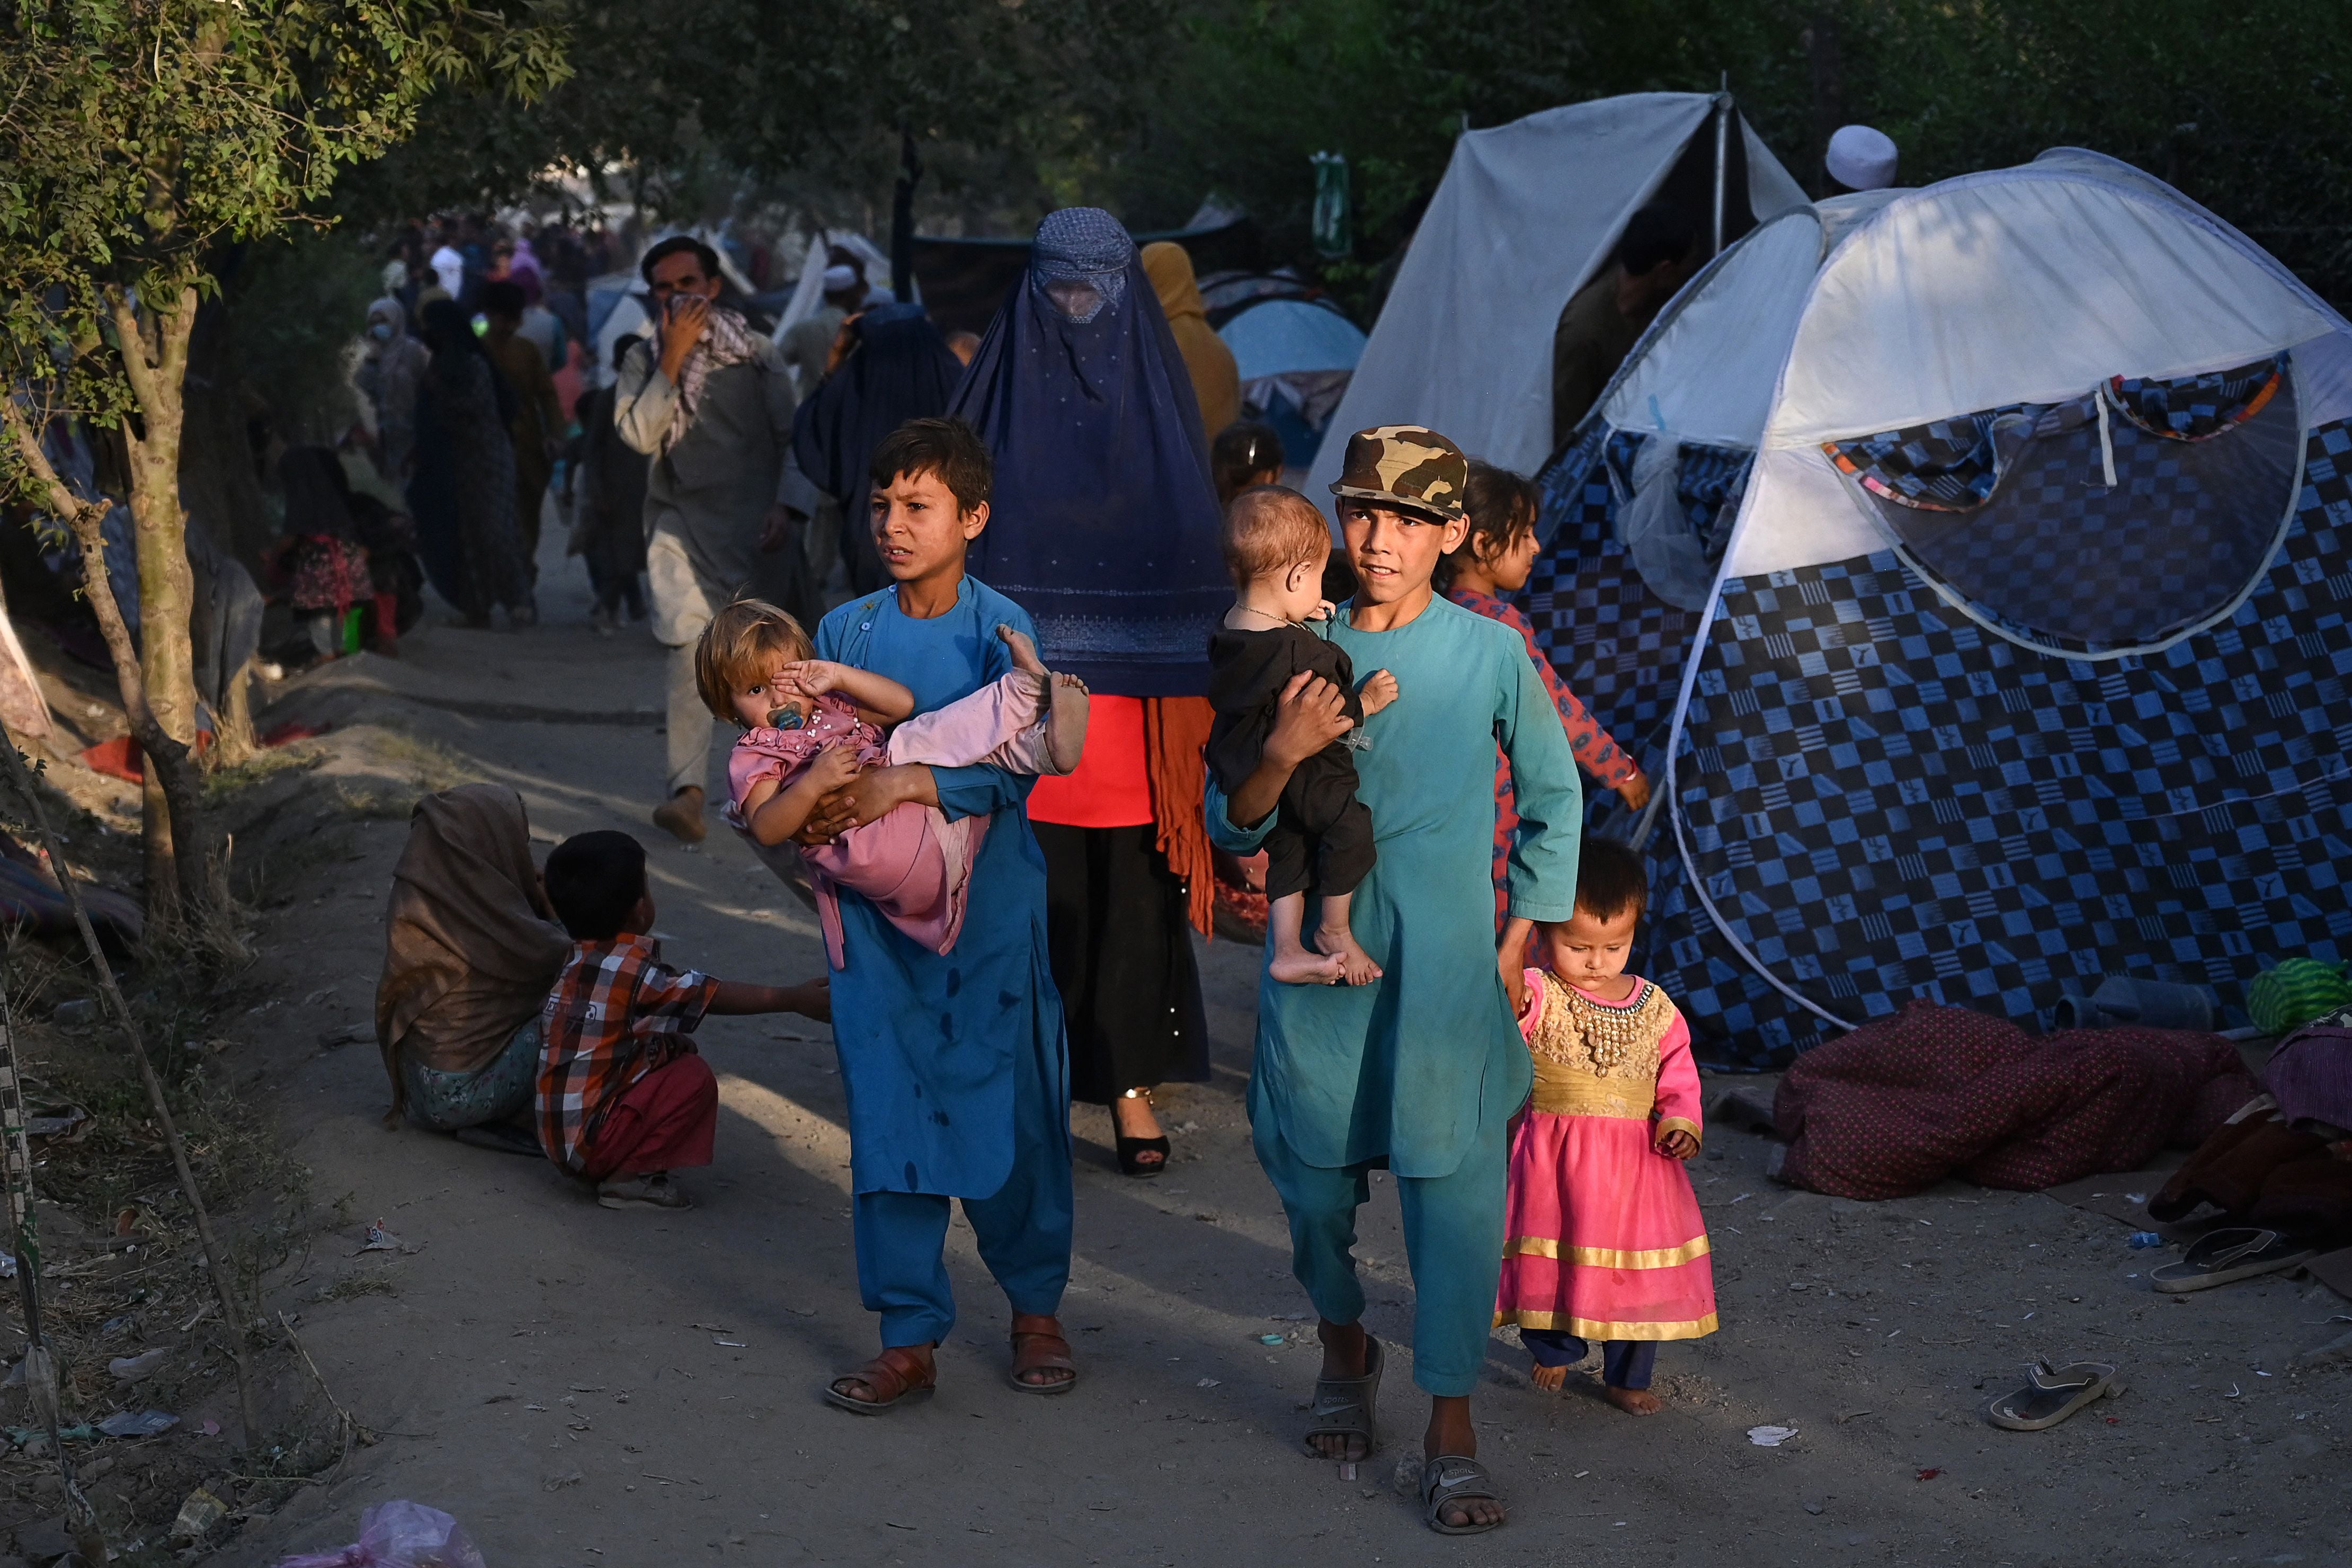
[1602, 1235]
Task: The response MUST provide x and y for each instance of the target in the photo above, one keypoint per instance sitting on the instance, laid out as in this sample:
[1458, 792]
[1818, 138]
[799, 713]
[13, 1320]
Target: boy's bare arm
[810, 999]
[781, 815]
[1309, 716]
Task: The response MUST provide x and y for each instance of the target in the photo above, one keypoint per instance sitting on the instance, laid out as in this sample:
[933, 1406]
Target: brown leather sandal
[894, 1377]
[1038, 1346]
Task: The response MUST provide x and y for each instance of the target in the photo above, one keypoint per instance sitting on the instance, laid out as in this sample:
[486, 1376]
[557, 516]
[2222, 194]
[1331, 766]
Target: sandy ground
[585, 1387]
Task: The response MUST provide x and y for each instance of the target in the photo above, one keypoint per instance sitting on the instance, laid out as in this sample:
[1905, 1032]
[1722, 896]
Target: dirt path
[584, 1387]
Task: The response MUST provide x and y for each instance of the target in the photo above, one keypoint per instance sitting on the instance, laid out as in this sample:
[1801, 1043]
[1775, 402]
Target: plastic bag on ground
[399, 1536]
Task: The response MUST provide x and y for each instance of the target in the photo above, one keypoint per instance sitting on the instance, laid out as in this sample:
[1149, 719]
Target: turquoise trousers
[1453, 1240]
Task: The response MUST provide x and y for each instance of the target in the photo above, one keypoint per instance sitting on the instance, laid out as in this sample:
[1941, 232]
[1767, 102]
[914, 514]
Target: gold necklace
[1610, 1033]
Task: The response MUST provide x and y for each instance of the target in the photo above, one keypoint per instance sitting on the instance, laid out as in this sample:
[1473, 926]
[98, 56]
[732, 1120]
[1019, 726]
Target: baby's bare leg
[1061, 697]
[1294, 964]
[1333, 936]
[1065, 721]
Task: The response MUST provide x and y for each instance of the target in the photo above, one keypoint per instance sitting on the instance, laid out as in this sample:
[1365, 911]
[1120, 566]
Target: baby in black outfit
[1276, 544]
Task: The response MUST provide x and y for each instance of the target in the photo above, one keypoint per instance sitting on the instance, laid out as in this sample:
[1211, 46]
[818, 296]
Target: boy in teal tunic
[955, 1064]
[1419, 1071]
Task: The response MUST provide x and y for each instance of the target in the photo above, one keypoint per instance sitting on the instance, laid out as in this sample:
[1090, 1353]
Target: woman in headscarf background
[1104, 527]
[897, 368]
[462, 493]
[1216, 379]
[471, 951]
[391, 365]
[608, 506]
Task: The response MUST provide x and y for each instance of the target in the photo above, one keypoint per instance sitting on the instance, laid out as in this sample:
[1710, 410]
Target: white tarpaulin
[1527, 213]
[2025, 285]
[1706, 373]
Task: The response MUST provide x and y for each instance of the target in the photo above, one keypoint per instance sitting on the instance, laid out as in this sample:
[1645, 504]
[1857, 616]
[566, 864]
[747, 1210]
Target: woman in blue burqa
[897, 368]
[1105, 530]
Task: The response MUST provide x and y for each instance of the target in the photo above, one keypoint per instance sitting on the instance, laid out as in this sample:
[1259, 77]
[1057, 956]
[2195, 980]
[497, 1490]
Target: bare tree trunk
[195, 879]
[184, 877]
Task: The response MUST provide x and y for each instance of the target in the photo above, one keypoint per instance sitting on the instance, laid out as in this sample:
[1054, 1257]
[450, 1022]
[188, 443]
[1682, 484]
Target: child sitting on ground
[1276, 544]
[623, 1097]
[811, 725]
[1596, 1162]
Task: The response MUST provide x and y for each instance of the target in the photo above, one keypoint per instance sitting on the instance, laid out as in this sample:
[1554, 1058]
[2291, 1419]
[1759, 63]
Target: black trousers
[1123, 957]
[1321, 841]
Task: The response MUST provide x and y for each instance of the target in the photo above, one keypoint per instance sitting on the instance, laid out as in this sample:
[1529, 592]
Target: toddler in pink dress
[1602, 1237]
[812, 725]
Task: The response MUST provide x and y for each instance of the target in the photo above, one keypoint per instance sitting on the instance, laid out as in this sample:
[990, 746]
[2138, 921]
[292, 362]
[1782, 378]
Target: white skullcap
[838, 276]
[1862, 159]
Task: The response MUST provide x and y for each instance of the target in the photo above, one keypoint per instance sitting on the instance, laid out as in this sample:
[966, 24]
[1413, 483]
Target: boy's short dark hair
[944, 447]
[503, 298]
[1610, 879]
[675, 245]
[1655, 236]
[594, 880]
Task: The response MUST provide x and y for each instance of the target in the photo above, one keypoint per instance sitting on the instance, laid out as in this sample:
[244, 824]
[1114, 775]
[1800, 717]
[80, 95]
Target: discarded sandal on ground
[1349, 1406]
[1038, 1346]
[2219, 1257]
[2052, 1394]
[1454, 1478]
[893, 1378]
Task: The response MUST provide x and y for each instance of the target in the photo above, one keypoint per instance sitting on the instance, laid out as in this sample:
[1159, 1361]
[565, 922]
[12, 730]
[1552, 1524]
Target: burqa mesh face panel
[2012, 510]
[1885, 801]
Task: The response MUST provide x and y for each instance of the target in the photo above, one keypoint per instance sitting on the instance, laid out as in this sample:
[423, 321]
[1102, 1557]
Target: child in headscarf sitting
[811, 725]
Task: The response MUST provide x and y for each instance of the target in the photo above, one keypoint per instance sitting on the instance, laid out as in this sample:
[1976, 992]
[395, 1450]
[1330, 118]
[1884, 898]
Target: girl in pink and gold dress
[1602, 1238]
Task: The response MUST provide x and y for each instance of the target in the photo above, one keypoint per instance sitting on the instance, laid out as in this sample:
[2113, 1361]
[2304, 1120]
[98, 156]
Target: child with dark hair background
[1602, 1237]
[623, 1097]
[1481, 574]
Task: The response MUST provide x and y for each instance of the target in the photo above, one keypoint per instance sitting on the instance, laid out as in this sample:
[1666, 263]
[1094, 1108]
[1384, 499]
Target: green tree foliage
[137, 137]
[2240, 106]
[668, 101]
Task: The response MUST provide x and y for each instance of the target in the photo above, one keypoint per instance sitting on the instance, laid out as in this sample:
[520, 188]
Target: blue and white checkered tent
[2024, 665]
[1637, 504]
[1527, 215]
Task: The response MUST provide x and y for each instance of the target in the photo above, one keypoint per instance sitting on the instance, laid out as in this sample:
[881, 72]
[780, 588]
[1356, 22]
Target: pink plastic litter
[399, 1536]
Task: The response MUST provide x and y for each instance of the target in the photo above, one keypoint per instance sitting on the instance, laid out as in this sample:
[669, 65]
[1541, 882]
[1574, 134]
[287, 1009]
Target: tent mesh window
[2010, 508]
[1884, 800]
[1619, 646]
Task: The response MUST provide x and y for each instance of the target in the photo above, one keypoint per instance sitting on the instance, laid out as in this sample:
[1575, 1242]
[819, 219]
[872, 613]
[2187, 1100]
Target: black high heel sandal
[1131, 1149]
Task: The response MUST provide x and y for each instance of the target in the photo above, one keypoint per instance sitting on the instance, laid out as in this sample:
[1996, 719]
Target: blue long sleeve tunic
[1409, 1066]
[927, 1041]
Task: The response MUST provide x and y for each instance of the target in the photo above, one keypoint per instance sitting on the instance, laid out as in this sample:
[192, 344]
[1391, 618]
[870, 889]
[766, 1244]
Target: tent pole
[1722, 151]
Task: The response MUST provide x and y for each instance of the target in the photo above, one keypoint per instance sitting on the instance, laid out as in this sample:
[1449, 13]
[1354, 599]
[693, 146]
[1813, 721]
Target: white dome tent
[1526, 214]
[1638, 502]
[2023, 665]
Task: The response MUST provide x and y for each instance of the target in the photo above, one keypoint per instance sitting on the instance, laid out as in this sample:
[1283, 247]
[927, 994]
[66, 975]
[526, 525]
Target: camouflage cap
[1407, 465]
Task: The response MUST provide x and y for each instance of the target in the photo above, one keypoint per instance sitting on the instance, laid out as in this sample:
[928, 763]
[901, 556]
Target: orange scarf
[1175, 731]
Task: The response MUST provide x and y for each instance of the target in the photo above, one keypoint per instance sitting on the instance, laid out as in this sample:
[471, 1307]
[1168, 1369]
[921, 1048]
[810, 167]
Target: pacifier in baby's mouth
[784, 718]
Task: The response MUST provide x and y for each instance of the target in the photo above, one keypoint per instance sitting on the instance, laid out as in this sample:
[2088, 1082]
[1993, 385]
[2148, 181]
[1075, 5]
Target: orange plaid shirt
[616, 1012]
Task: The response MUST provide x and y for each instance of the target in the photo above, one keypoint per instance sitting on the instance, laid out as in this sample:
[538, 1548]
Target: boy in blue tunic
[954, 1063]
[1419, 1071]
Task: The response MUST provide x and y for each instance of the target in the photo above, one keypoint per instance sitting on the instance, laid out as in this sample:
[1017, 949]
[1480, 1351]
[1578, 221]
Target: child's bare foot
[1355, 964]
[1633, 1401]
[1024, 652]
[1550, 1377]
[1065, 721]
[1300, 966]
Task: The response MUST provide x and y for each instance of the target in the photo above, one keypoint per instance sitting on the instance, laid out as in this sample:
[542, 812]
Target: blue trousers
[1023, 1227]
[1453, 1240]
[1624, 1363]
